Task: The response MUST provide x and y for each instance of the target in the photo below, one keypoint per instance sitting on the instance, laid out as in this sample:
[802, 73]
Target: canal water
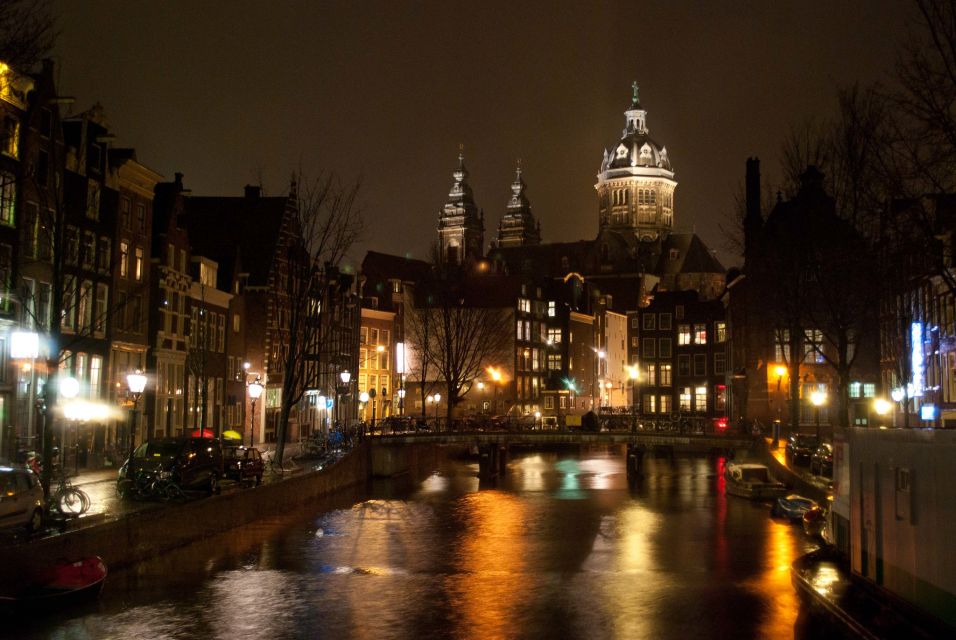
[560, 546]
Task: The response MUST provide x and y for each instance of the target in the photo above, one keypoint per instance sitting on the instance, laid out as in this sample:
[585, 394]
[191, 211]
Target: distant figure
[589, 421]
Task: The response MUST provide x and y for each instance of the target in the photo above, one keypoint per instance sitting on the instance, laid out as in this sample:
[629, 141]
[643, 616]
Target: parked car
[800, 448]
[192, 463]
[792, 507]
[243, 463]
[821, 463]
[21, 498]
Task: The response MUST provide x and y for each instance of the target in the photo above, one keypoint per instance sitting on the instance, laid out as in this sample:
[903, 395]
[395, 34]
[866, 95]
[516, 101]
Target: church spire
[517, 226]
[461, 226]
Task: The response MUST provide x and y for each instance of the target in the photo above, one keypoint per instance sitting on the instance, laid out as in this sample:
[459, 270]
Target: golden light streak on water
[492, 566]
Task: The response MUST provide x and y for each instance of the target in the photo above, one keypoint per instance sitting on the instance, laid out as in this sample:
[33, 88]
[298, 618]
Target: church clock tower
[636, 184]
[461, 225]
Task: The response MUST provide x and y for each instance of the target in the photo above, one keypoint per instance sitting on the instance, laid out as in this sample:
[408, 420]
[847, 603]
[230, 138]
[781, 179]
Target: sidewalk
[94, 476]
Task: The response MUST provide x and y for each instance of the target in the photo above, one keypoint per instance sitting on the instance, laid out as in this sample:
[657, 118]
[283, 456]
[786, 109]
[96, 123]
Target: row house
[679, 345]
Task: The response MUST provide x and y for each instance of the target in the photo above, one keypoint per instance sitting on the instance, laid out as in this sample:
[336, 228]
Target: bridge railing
[607, 421]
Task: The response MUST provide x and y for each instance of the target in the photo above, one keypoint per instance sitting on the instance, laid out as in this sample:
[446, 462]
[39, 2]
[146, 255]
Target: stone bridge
[389, 452]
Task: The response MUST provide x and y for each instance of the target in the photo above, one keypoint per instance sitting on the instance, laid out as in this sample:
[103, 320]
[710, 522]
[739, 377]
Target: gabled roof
[692, 256]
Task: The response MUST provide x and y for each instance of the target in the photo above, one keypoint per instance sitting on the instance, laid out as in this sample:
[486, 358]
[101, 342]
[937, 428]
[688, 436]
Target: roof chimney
[753, 188]
[253, 191]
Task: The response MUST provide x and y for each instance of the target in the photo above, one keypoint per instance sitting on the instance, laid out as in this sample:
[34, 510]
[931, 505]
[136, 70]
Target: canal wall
[794, 481]
[143, 534]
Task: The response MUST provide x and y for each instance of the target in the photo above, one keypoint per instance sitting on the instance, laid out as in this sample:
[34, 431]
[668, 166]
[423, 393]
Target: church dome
[636, 153]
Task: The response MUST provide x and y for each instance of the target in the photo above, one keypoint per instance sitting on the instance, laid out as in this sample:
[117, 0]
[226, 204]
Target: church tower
[636, 183]
[517, 227]
[461, 226]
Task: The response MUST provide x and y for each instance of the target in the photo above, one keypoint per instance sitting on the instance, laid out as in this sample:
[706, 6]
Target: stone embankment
[144, 534]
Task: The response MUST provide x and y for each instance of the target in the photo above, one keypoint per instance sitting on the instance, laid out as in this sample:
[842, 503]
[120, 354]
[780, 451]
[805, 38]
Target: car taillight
[720, 424]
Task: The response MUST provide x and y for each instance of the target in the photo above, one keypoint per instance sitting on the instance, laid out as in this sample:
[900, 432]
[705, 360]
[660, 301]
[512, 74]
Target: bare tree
[27, 32]
[463, 334]
[325, 224]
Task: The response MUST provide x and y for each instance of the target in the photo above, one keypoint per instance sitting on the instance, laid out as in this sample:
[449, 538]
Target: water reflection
[561, 545]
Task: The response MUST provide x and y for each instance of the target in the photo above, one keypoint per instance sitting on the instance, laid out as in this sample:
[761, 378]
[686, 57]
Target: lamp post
[437, 400]
[882, 407]
[69, 388]
[363, 398]
[371, 395]
[781, 371]
[495, 378]
[597, 375]
[136, 383]
[633, 373]
[255, 391]
[401, 401]
[345, 376]
[818, 398]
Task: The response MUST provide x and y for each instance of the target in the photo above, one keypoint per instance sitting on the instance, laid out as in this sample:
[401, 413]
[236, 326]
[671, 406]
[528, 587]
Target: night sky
[232, 93]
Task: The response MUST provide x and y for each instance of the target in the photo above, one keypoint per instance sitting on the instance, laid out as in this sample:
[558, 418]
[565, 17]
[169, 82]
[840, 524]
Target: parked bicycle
[68, 500]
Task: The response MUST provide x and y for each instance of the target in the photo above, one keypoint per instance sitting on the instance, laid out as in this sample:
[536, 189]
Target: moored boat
[752, 480]
[66, 584]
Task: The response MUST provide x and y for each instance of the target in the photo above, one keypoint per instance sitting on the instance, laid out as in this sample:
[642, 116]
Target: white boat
[751, 480]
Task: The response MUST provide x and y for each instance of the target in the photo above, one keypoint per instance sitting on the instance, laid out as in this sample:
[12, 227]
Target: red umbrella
[206, 433]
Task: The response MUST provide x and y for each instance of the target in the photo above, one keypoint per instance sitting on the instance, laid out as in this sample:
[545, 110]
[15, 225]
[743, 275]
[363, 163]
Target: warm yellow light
[818, 398]
[380, 348]
[481, 385]
[882, 406]
[780, 370]
[632, 372]
[495, 374]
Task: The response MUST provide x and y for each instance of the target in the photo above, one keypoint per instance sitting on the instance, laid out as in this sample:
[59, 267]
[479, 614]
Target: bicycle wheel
[72, 502]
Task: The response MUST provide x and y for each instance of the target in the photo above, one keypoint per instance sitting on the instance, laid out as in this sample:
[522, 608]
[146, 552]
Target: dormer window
[621, 151]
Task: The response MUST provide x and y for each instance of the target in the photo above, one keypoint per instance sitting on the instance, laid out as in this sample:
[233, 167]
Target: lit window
[700, 399]
[700, 334]
[720, 331]
[124, 259]
[869, 390]
[665, 404]
[666, 375]
[683, 334]
[138, 266]
[684, 399]
[855, 388]
[650, 375]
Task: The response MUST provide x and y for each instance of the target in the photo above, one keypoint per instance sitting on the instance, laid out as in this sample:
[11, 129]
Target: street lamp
[363, 398]
[882, 407]
[495, 378]
[69, 388]
[136, 383]
[371, 394]
[818, 398]
[401, 401]
[255, 391]
[597, 374]
[345, 376]
[780, 371]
